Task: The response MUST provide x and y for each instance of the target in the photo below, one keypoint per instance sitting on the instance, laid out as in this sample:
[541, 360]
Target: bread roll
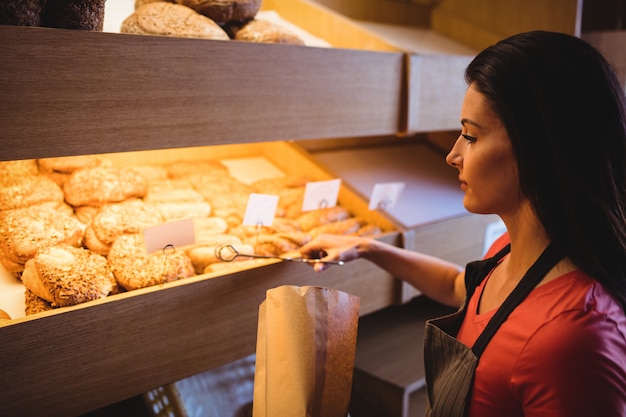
[21, 12]
[341, 227]
[64, 275]
[315, 218]
[113, 220]
[225, 11]
[207, 228]
[167, 19]
[74, 14]
[134, 268]
[204, 255]
[69, 164]
[14, 172]
[25, 231]
[183, 169]
[35, 304]
[279, 244]
[263, 31]
[179, 211]
[101, 185]
[29, 191]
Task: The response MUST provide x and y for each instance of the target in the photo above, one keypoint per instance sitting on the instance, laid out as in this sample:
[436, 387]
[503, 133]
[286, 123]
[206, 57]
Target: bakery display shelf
[75, 359]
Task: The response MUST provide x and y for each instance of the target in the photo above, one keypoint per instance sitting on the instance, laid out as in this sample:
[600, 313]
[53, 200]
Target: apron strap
[476, 271]
[549, 257]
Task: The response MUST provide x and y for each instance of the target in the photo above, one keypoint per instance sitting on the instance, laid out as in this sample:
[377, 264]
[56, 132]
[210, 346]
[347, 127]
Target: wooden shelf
[84, 93]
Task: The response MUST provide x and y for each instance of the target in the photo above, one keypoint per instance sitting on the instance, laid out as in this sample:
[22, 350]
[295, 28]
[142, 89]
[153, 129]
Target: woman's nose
[454, 158]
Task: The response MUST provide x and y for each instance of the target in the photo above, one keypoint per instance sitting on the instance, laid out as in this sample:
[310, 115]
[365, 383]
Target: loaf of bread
[65, 275]
[264, 31]
[225, 11]
[134, 268]
[168, 19]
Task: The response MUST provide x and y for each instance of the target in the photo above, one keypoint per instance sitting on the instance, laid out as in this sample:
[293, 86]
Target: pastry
[34, 304]
[14, 172]
[206, 228]
[225, 11]
[101, 185]
[341, 227]
[60, 168]
[263, 31]
[25, 231]
[151, 172]
[69, 164]
[204, 255]
[179, 211]
[74, 14]
[315, 218]
[168, 19]
[180, 169]
[113, 220]
[64, 275]
[279, 243]
[134, 268]
[21, 12]
[29, 191]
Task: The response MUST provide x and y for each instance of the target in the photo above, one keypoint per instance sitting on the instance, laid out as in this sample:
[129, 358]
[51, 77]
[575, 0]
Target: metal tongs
[228, 253]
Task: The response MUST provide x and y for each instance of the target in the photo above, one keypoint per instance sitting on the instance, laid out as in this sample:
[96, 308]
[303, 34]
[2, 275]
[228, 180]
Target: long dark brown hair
[564, 111]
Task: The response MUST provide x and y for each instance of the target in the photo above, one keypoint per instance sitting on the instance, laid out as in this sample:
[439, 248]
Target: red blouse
[561, 353]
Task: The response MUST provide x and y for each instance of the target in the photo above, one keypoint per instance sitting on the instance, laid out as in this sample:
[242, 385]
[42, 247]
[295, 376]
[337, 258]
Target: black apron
[449, 364]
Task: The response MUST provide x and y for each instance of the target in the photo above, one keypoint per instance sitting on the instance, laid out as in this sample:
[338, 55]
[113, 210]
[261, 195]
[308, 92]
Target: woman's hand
[328, 248]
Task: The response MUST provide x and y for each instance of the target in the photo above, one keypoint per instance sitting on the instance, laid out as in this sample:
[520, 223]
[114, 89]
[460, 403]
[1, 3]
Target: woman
[541, 330]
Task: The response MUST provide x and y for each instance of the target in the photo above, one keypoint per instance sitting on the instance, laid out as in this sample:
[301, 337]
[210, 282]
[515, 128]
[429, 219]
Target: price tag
[321, 194]
[260, 210]
[385, 195]
[176, 234]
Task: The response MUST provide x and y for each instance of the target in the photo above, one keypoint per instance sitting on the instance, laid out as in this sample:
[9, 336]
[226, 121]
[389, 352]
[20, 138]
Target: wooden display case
[71, 93]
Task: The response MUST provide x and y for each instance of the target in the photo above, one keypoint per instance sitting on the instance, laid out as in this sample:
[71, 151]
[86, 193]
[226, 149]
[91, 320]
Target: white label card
[321, 194]
[260, 210]
[176, 234]
[385, 195]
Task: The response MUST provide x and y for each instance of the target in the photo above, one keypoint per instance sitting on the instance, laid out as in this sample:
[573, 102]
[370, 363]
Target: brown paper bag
[306, 344]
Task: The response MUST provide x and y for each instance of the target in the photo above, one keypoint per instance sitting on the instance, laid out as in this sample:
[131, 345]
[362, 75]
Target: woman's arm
[437, 279]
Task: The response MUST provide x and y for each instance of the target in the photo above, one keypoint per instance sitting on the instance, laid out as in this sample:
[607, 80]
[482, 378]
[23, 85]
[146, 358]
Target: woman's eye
[468, 137]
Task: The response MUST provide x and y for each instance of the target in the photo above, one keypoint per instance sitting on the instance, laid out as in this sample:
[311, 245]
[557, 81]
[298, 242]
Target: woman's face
[484, 157]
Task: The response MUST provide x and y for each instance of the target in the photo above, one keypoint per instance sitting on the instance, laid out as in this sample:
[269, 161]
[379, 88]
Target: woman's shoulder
[580, 313]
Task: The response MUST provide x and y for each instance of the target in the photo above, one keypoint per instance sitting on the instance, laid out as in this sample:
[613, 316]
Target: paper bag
[306, 344]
